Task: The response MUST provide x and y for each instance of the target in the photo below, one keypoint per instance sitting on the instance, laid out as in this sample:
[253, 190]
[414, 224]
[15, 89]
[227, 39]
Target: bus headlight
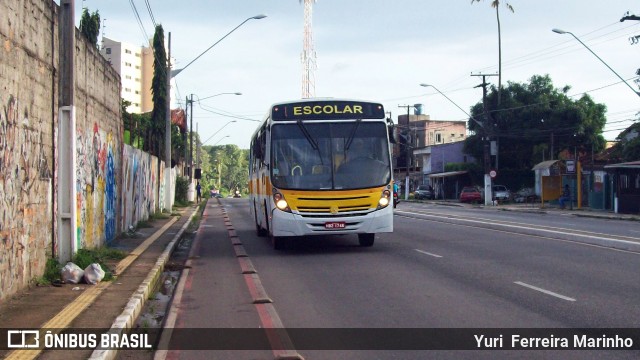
[385, 199]
[280, 202]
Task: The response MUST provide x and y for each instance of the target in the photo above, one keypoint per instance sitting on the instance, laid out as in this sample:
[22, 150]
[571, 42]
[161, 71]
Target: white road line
[545, 291]
[427, 253]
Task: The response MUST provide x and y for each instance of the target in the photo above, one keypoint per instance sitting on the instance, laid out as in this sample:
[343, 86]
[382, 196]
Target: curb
[133, 308]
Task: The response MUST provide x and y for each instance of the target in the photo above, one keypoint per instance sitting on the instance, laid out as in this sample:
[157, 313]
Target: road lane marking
[516, 227]
[427, 253]
[544, 291]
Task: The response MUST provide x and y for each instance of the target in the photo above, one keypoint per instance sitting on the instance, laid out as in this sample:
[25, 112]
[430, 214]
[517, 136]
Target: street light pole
[173, 73]
[558, 31]
[257, 17]
[487, 178]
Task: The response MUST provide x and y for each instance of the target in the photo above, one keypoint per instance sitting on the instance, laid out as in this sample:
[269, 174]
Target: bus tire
[260, 231]
[278, 242]
[366, 240]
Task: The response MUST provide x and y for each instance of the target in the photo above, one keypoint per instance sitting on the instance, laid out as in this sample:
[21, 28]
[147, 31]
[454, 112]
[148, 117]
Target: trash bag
[71, 273]
[93, 274]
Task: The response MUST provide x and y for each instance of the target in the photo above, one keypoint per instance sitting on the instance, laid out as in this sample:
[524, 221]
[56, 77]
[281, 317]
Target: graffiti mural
[25, 180]
[140, 182]
[96, 187]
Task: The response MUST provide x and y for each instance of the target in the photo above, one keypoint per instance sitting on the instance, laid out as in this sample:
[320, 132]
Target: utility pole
[168, 187]
[408, 152]
[184, 138]
[65, 166]
[488, 190]
[192, 190]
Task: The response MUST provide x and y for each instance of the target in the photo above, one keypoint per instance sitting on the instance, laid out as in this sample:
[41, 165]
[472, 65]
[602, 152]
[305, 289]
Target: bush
[182, 188]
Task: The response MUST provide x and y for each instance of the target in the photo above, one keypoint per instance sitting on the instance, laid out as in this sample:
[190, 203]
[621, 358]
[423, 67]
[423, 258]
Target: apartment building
[135, 66]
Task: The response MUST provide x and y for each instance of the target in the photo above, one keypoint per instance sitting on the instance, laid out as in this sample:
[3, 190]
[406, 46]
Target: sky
[380, 51]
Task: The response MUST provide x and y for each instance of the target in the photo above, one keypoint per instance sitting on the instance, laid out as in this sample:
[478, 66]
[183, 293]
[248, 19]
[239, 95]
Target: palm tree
[496, 5]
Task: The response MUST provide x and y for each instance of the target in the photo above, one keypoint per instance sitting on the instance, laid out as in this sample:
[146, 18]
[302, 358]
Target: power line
[153, 20]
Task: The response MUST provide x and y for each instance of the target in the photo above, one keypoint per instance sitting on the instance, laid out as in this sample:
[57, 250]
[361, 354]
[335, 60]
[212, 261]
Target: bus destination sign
[327, 110]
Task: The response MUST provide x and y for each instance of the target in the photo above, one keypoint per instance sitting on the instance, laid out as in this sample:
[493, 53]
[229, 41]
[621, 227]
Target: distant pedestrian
[566, 196]
[199, 192]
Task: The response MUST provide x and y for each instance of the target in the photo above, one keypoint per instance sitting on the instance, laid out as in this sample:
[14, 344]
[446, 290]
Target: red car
[470, 194]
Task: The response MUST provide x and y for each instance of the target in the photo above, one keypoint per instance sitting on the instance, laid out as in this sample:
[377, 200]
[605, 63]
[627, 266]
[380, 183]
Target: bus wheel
[278, 242]
[366, 239]
[259, 230]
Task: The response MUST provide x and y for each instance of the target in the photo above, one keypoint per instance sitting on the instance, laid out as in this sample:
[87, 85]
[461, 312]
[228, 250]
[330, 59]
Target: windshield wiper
[306, 133]
[352, 134]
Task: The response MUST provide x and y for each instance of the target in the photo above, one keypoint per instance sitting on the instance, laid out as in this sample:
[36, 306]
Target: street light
[458, 106]
[487, 177]
[191, 126]
[558, 31]
[226, 136]
[226, 93]
[172, 73]
[257, 17]
[214, 134]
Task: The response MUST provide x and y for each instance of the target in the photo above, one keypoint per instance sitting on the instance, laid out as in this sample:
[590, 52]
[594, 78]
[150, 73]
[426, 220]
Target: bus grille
[333, 205]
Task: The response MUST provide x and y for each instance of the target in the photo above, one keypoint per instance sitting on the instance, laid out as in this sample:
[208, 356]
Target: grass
[51, 273]
[101, 255]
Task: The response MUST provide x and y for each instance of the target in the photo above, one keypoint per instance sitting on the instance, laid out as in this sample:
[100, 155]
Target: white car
[500, 192]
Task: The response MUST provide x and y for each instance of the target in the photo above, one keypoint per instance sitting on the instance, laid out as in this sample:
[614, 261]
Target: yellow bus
[321, 167]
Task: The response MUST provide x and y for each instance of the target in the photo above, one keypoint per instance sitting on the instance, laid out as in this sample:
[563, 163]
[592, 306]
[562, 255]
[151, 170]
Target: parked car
[525, 195]
[470, 194]
[501, 193]
[424, 192]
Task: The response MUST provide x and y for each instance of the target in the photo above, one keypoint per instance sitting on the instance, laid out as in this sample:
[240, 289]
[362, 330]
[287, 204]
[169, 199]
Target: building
[420, 144]
[135, 66]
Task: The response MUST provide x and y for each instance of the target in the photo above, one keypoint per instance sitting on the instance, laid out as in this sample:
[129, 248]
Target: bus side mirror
[390, 128]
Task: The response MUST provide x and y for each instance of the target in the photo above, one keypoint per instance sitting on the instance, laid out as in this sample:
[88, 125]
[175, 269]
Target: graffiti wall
[140, 186]
[96, 187]
[25, 195]
[116, 185]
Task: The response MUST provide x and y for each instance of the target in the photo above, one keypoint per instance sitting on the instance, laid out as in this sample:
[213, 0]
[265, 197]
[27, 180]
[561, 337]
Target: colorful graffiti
[25, 206]
[140, 186]
[96, 188]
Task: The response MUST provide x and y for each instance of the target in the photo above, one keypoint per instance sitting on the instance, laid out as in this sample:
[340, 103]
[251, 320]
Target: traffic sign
[493, 174]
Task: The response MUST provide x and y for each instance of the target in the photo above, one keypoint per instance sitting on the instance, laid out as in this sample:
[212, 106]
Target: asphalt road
[443, 267]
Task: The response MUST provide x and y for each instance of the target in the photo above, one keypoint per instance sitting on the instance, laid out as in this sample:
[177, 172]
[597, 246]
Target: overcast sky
[381, 51]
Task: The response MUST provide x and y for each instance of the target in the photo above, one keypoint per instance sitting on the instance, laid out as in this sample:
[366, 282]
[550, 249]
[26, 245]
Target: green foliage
[182, 187]
[90, 26]
[101, 255]
[233, 163]
[51, 274]
[156, 129]
[628, 146]
[529, 116]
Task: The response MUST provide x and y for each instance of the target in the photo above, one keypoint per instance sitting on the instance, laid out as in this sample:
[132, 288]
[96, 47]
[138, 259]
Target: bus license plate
[334, 225]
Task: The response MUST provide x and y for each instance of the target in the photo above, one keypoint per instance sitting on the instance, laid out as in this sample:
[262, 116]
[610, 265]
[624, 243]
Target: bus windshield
[330, 156]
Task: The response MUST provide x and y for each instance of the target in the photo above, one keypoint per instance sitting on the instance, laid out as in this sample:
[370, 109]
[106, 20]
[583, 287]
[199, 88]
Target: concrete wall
[29, 65]
[99, 131]
[28, 35]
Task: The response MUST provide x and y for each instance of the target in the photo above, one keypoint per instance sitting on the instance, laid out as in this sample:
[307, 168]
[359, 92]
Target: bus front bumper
[290, 224]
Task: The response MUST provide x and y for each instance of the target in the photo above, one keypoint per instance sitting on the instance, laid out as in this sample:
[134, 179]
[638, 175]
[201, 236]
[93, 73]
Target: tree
[234, 166]
[628, 146]
[90, 26]
[532, 115]
[496, 5]
[155, 133]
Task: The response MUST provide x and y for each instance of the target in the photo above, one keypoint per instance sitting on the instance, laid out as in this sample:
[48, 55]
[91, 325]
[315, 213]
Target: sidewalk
[110, 304]
[552, 209]
[547, 209]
